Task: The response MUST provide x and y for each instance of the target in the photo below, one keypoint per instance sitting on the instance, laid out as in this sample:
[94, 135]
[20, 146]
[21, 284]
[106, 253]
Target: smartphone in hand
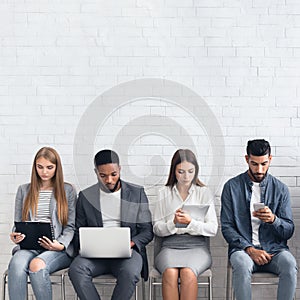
[258, 206]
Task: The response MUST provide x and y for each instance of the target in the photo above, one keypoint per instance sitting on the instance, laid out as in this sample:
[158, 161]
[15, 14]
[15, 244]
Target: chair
[258, 278]
[57, 278]
[110, 280]
[155, 278]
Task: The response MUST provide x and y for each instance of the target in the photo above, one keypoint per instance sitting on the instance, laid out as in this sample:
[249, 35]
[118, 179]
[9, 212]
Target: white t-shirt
[110, 204]
[255, 198]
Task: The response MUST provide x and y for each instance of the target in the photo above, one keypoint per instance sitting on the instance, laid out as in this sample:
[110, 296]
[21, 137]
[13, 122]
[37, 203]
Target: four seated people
[256, 220]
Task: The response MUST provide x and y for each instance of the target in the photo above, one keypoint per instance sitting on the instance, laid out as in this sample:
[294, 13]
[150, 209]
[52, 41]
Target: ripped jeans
[18, 270]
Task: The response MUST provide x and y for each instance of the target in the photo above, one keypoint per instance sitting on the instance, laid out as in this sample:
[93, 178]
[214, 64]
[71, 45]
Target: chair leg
[150, 288]
[136, 292]
[143, 290]
[4, 279]
[229, 290]
[63, 290]
[209, 288]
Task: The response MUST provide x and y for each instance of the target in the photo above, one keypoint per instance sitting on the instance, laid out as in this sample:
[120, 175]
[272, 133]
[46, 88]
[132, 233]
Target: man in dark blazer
[112, 202]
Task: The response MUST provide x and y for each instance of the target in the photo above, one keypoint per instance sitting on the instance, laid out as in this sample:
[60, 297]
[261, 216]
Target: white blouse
[169, 200]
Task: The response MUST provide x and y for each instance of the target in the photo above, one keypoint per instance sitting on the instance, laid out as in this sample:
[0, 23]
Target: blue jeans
[18, 270]
[283, 264]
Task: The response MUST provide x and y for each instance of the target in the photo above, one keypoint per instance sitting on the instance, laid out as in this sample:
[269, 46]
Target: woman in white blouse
[184, 253]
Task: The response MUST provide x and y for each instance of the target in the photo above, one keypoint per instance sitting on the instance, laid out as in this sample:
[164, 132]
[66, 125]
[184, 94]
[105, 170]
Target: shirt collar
[250, 182]
[190, 191]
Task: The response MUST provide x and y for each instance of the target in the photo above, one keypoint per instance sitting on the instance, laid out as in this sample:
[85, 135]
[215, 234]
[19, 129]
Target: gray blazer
[135, 214]
[63, 235]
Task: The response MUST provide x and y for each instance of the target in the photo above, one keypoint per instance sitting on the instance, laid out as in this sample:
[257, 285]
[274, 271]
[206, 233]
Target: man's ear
[270, 157]
[247, 158]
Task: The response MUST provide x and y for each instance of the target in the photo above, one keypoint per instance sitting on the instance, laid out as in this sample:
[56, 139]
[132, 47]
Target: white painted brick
[207, 3]
[288, 42]
[242, 58]
[272, 131]
[178, 3]
[126, 51]
[217, 42]
[222, 51]
[287, 72]
[210, 81]
[225, 91]
[145, 51]
[218, 12]
[236, 61]
[193, 42]
[208, 61]
[279, 52]
[52, 70]
[290, 62]
[168, 51]
[186, 12]
[135, 12]
[164, 12]
[283, 91]
[223, 22]
[265, 62]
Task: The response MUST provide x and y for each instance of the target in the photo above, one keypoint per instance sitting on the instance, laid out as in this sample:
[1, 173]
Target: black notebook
[34, 230]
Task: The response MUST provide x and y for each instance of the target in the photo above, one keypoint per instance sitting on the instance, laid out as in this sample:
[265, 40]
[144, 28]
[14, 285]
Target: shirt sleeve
[163, 223]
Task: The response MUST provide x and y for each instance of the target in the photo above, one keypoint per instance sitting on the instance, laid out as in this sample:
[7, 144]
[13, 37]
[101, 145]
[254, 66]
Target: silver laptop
[105, 242]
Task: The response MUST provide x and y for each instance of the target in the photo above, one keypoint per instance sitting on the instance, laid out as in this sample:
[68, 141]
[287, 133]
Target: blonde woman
[46, 197]
[184, 253]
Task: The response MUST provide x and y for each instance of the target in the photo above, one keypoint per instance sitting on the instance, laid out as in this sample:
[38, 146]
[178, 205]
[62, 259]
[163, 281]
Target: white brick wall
[241, 57]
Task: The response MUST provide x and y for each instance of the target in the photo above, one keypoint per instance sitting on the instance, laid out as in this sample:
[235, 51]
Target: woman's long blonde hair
[31, 200]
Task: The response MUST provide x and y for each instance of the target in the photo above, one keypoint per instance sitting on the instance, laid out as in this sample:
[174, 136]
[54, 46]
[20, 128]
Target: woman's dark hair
[258, 147]
[180, 156]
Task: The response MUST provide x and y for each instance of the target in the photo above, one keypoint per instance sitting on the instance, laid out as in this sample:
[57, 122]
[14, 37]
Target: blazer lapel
[97, 204]
[125, 196]
[92, 195]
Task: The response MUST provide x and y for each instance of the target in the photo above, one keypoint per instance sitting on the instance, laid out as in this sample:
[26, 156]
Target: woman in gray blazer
[45, 198]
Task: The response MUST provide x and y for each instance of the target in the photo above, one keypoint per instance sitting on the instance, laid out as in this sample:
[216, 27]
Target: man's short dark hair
[258, 147]
[106, 156]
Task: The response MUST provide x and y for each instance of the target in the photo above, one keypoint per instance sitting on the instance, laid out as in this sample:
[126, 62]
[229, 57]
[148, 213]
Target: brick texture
[236, 64]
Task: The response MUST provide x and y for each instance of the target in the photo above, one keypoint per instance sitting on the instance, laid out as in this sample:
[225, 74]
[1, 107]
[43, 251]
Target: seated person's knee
[36, 264]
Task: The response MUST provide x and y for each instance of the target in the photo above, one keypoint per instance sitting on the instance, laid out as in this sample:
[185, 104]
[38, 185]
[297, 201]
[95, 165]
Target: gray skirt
[183, 251]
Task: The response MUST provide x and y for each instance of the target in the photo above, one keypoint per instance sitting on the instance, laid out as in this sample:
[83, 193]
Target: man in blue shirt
[257, 237]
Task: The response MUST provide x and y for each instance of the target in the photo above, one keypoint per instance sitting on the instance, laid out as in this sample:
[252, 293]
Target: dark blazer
[135, 214]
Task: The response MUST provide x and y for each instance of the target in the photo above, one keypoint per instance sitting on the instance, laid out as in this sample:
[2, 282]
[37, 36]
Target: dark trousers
[125, 270]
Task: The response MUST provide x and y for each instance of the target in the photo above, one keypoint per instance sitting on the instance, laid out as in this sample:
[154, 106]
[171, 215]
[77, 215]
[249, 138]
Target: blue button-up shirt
[236, 218]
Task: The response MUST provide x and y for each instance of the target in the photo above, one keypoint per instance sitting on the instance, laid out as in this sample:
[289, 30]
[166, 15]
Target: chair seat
[264, 275]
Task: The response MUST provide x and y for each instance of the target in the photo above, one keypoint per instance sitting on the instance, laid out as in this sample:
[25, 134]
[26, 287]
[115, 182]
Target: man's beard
[106, 189]
[256, 178]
